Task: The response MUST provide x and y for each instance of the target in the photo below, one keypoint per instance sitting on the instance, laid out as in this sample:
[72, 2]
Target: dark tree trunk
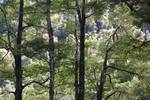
[82, 62]
[17, 55]
[18, 73]
[82, 20]
[102, 80]
[51, 50]
[76, 64]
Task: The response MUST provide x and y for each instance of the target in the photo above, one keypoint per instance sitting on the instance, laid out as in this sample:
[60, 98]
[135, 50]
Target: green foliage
[128, 53]
[141, 12]
[99, 8]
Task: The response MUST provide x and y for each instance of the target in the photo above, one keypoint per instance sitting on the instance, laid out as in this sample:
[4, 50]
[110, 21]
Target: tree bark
[82, 62]
[18, 73]
[17, 55]
[51, 50]
[82, 20]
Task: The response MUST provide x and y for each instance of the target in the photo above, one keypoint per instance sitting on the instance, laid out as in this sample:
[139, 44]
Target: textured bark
[82, 20]
[51, 50]
[17, 55]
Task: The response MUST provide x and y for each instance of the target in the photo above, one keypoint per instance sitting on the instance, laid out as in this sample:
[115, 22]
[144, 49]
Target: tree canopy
[74, 49]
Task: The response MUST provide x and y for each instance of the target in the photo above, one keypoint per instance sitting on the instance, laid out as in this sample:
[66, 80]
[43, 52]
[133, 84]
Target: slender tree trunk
[51, 50]
[102, 80]
[17, 55]
[76, 63]
[18, 73]
[82, 62]
[82, 20]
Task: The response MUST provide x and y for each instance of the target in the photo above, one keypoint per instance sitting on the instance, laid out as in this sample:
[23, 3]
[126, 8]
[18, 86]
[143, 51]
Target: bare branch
[36, 82]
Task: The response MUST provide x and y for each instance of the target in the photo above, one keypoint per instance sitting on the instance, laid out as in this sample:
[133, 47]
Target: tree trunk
[102, 80]
[82, 20]
[51, 50]
[82, 62]
[18, 73]
[17, 55]
[76, 64]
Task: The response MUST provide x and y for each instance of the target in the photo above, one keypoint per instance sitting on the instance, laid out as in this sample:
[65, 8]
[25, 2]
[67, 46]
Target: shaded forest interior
[74, 49]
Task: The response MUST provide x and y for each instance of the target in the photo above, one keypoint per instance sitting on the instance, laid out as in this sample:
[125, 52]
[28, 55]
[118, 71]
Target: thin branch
[78, 11]
[3, 40]
[119, 69]
[32, 25]
[110, 80]
[8, 26]
[87, 16]
[36, 82]
[114, 33]
[111, 93]
[13, 92]
[92, 5]
[5, 56]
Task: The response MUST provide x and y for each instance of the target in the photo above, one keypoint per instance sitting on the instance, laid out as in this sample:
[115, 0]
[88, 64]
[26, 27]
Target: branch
[36, 82]
[108, 49]
[78, 11]
[11, 92]
[93, 3]
[111, 93]
[110, 80]
[32, 25]
[119, 69]
[5, 55]
[3, 40]
[87, 16]
[8, 26]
